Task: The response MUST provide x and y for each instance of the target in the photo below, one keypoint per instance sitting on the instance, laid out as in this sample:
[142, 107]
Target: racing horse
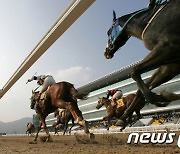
[30, 128]
[158, 28]
[63, 117]
[59, 95]
[57, 127]
[118, 110]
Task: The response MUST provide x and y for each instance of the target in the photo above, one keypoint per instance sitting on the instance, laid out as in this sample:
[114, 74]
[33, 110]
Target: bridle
[100, 102]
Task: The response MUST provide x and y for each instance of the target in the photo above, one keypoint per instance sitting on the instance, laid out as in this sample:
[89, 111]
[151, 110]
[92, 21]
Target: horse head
[100, 102]
[117, 37]
[33, 99]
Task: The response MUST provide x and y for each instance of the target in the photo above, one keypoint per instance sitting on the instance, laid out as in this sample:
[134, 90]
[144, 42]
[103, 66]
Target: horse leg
[130, 119]
[138, 100]
[65, 126]
[139, 116]
[110, 115]
[49, 139]
[71, 126]
[136, 103]
[108, 124]
[77, 114]
[38, 130]
[158, 57]
[42, 122]
[163, 74]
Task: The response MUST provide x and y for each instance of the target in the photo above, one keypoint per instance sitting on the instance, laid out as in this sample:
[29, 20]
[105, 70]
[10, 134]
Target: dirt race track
[103, 144]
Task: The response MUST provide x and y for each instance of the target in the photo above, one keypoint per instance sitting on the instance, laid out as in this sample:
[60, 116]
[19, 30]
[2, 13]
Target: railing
[152, 128]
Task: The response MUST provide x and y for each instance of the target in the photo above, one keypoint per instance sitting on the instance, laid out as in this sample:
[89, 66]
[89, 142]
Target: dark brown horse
[30, 128]
[118, 110]
[60, 95]
[159, 29]
[63, 117]
[57, 127]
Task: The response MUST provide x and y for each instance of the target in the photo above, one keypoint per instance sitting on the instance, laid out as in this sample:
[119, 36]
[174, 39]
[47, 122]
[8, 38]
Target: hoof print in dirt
[83, 139]
[33, 142]
[45, 139]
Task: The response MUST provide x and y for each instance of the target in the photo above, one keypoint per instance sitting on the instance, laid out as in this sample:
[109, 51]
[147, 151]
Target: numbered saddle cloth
[120, 103]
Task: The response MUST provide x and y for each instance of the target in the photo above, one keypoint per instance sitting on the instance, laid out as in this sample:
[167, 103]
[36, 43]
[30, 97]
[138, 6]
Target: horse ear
[99, 97]
[114, 15]
[32, 91]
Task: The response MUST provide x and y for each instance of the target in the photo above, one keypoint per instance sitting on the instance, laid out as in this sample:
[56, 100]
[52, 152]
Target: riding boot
[114, 103]
[39, 96]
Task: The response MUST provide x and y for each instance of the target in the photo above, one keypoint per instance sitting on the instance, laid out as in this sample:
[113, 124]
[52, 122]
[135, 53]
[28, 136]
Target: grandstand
[121, 79]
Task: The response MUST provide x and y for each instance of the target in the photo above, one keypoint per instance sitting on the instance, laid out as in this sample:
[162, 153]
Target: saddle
[43, 95]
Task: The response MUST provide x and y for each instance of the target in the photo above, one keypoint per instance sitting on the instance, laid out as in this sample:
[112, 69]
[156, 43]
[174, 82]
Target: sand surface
[103, 144]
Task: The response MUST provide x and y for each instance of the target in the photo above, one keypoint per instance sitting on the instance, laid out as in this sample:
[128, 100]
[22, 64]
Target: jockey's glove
[29, 80]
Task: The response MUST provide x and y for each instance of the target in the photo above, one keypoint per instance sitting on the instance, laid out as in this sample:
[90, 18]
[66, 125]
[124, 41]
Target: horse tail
[82, 95]
[79, 95]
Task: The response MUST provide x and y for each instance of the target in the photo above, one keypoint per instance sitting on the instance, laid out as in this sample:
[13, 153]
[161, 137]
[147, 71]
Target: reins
[130, 18]
[36, 88]
[150, 21]
[140, 11]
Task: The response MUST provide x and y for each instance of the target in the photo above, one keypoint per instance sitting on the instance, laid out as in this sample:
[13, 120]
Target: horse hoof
[121, 123]
[158, 100]
[49, 139]
[33, 142]
[161, 104]
[91, 136]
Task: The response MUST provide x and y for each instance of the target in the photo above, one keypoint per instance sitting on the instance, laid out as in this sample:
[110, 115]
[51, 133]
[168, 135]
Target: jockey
[116, 94]
[152, 3]
[44, 81]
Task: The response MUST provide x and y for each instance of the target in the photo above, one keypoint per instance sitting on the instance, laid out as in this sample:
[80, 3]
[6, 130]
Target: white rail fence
[152, 128]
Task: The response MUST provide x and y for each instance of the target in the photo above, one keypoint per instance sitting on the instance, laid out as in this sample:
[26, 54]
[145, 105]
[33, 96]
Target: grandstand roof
[114, 77]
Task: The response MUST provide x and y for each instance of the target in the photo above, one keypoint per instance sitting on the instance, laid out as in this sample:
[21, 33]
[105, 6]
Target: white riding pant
[117, 95]
[48, 81]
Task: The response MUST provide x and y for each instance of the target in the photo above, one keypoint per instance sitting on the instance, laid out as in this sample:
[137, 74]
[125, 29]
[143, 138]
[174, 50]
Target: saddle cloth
[62, 114]
[119, 102]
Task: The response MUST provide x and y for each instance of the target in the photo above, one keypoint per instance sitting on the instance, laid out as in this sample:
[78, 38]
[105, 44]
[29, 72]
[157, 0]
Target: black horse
[158, 28]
